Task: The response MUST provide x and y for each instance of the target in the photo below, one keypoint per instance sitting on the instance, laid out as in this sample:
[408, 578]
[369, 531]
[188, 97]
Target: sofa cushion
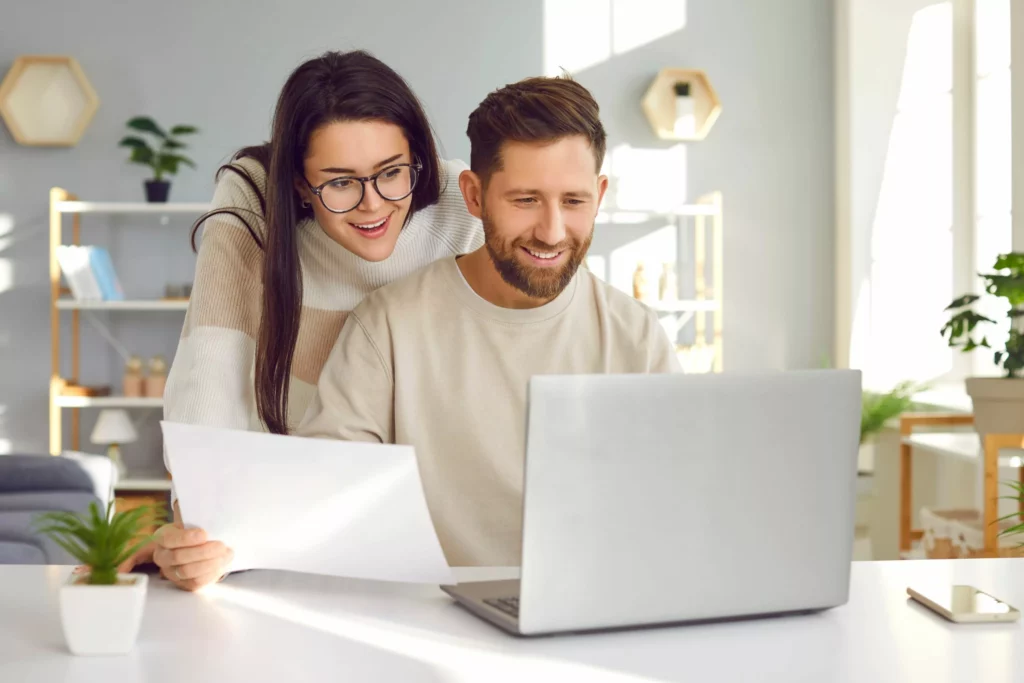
[23, 473]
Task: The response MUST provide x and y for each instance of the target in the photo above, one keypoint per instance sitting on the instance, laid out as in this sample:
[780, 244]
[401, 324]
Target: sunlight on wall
[6, 445]
[6, 266]
[636, 23]
[647, 180]
[579, 34]
[911, 237]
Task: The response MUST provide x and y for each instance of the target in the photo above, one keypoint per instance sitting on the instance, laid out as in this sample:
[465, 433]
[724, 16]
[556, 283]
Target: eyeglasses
[341, 195]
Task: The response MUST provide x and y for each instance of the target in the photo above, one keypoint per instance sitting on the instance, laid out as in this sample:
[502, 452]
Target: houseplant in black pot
[164, 159]
[998, 401]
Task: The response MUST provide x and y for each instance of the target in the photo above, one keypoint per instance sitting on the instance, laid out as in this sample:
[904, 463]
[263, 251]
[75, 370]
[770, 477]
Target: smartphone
[966, 605]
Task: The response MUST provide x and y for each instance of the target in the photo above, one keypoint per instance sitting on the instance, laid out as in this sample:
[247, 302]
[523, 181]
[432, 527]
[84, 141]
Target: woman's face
[337, 152]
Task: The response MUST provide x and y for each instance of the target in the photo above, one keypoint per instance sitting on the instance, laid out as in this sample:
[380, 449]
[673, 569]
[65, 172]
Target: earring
[305, 204]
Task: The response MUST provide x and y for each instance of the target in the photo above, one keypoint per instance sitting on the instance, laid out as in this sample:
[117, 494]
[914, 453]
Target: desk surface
[269, 626]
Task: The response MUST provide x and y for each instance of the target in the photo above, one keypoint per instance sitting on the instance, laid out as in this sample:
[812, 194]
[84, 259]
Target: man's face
[539, 211]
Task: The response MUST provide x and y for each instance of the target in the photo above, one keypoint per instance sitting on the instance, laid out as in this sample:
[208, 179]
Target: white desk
[266, 626]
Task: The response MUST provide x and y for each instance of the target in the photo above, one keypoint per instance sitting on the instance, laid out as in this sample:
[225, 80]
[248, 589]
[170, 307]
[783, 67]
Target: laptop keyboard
[506, 605]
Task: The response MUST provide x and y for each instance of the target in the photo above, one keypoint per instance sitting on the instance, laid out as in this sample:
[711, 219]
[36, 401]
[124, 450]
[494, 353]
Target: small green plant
[1007, 283]
[166, 158]
[100, 542]
[877, 408]
[1018, 495]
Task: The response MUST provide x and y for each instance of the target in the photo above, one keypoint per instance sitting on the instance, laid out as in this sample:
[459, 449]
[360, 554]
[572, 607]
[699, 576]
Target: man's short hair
[540, 110]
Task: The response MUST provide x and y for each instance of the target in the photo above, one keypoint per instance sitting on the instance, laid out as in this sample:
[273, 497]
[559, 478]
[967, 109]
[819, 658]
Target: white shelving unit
[705, 308]
[685, 306]
[63, 203]
[67, 206]
[109, 402]
[142, 305]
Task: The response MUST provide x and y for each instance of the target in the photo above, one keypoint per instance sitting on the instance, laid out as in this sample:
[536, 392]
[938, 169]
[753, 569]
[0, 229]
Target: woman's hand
[187, 558]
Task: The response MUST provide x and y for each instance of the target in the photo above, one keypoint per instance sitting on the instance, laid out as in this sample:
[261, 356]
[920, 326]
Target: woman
[348, 195]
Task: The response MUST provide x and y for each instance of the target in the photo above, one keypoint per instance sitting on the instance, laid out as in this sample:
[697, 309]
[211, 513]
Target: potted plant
[998, 401]
[101, 610]
[877, 408]
[164, 160]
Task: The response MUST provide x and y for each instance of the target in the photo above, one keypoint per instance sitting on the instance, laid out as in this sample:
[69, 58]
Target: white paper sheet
[324, 507]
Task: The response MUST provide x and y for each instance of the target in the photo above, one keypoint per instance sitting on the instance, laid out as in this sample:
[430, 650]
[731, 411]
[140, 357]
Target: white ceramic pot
[102, 620]
[998, 404]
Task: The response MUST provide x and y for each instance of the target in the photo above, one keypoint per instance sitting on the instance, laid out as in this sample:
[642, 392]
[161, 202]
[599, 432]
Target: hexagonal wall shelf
[681, 105]
[47, 101]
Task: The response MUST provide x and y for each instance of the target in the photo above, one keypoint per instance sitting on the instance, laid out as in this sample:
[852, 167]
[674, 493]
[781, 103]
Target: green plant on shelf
[962, 328]
[101, 542]
[877, 408]
[166, 157]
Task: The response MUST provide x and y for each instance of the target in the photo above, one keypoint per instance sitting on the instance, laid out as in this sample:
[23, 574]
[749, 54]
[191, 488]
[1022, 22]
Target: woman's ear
[472, 192]
[303, 191]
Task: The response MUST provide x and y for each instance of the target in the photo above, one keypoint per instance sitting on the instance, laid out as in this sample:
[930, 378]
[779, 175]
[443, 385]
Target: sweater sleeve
[210, 381]
[662, 357]
[355, 395]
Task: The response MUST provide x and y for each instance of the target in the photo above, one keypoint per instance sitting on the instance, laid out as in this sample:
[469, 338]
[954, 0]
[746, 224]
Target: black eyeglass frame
[363, 180]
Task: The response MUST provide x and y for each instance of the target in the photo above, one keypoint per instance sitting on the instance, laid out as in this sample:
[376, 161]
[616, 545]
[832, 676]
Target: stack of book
[89, 273]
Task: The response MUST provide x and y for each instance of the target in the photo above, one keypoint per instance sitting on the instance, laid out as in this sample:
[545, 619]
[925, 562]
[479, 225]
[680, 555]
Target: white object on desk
[307, 505]
[272, 626]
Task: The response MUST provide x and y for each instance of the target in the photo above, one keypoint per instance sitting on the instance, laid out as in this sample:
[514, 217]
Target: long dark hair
[336, 86]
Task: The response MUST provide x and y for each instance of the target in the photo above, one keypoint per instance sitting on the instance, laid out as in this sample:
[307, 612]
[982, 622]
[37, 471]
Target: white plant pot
[998, 404]
[102, 620]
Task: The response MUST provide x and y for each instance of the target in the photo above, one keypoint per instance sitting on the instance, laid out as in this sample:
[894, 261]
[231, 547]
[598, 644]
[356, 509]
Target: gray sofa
[30, 484]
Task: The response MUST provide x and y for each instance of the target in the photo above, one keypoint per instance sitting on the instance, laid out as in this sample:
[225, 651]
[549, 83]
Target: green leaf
[879, 408]
[147, 125]
[185, 160]
[184, 130]
[142, 155]
[965, 300]
[133, 141]
[174, 144]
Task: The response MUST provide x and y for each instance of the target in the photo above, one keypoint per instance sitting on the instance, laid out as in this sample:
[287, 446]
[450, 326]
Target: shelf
[684, 306]
[627, 217]
[153, 483]
[132, 207]
[108, 402]
[964, 446]
[138, 305]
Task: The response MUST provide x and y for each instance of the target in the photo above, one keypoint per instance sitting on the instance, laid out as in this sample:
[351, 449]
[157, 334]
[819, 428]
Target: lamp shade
[114, 426]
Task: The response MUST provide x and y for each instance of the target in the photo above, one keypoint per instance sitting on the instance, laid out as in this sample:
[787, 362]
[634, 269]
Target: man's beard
[538, 283]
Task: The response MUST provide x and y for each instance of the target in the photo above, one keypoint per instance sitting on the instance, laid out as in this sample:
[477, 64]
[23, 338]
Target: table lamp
[112, 429]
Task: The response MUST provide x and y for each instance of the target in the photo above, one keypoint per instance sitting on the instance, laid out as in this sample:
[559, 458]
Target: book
[103, 270]
[74, 262]
[89, 272]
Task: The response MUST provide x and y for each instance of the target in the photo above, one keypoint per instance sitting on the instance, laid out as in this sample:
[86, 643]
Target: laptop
[661, 499]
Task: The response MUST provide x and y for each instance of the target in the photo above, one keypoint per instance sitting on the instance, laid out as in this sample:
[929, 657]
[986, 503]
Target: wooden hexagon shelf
[47, 101]
[702, 105]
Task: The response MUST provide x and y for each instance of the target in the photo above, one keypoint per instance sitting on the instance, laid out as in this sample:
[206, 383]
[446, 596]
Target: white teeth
[371, 226]
[542, 255]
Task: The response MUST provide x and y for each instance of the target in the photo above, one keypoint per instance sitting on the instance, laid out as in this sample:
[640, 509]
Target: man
[441, 359]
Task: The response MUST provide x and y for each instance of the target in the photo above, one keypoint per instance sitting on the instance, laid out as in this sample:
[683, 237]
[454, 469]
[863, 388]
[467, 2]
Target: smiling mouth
[370, 226]
[543, 255]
